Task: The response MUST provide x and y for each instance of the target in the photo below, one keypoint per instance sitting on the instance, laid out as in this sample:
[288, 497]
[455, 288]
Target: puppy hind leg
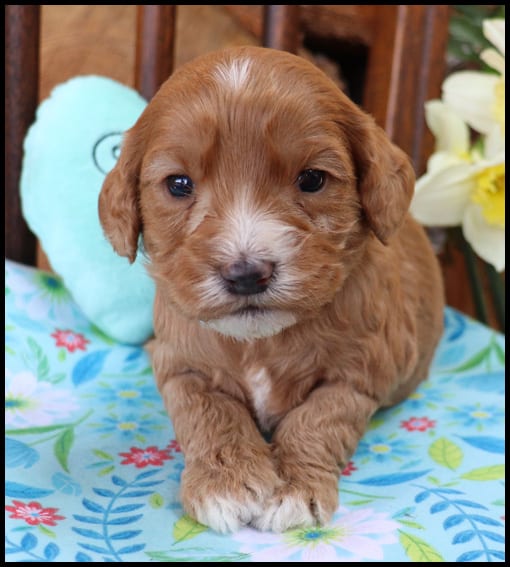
[405, 389]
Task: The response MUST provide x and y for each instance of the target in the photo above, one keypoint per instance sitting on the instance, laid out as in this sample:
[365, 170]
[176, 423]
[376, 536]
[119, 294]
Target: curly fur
[353, 312]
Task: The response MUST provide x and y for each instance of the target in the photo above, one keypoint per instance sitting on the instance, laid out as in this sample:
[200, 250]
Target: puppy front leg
[229, 474]
[311, 446]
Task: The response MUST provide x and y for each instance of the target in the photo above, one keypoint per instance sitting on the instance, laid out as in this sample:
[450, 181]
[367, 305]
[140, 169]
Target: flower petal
[452, 134]
[320, 553]
[378, 526]
[472, 95]
[486, 240]
[494, 31]
[275, 554]
[494, 60]
[369, 548]
[494, 143]
[441, 197]
[443, 160]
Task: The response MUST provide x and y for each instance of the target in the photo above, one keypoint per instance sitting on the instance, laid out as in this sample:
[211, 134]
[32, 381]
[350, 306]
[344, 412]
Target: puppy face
[255, 183]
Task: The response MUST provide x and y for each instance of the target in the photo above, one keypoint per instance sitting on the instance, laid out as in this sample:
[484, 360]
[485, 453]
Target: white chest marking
[259, 385]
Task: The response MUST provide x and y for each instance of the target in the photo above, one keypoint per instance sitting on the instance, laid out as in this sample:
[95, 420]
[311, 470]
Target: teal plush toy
[70, 148]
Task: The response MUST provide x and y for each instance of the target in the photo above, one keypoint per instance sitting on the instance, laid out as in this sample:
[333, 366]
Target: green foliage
[187, 528]
[195, 555]
[446, 453]
[418, 550]
[466, 32]
[494, 472]
[63, 446]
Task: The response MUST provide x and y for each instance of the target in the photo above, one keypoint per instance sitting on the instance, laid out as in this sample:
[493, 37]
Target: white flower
[478, 97]
[494, 31]
[352, 536]
[41, 296]
[462, 187]
[31, 403]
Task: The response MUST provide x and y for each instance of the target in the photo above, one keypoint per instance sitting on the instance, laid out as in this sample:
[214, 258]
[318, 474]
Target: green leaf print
[36, 429]
[102, 454]
[46, 531]
[62, 447]
[410, 524]
[187, 528]
[494, 472]
[101, 335]
[43, 366]
[434, 480]
[500, 353]
[195, 555]
[156, 500]
[475, 360]
[418, 550]
[446, 453]
[105, 471]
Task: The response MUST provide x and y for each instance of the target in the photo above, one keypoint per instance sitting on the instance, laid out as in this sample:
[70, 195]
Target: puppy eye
[180, 185]
[311, 180]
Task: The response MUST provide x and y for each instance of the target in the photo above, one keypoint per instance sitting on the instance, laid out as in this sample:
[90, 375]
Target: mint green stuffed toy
[70, 148]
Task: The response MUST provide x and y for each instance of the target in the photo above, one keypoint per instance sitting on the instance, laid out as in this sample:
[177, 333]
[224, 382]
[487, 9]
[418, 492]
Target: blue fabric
[73, 143]
[93, 467]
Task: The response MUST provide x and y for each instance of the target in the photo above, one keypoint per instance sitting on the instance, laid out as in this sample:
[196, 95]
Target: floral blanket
[93, 468]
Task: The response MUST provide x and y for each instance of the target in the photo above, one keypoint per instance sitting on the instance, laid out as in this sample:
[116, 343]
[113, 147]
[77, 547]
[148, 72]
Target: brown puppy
[295, 295]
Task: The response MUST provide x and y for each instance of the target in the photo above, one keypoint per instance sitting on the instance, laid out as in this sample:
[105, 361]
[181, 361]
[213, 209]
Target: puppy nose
[247, 277]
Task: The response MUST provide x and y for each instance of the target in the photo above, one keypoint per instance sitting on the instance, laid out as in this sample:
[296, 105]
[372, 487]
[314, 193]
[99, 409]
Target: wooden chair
[405, 66]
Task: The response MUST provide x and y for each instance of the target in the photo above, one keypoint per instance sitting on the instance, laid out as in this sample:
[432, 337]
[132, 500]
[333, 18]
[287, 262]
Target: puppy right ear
[119, 211]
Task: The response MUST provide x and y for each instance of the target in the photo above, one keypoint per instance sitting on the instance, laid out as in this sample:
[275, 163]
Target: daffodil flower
[478, 97]
[494, 31]
[463, 186]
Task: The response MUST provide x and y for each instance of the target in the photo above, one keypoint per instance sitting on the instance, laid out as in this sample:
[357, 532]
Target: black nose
[247, 277]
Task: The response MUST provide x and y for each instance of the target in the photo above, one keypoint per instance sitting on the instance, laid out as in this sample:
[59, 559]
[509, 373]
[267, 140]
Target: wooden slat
[281, 27]
[351, 23]
[154, 47]
[22, 28]
[406, 67]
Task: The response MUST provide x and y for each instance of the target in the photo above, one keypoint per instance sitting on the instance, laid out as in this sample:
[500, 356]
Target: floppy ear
[118, 201]
[385, 177]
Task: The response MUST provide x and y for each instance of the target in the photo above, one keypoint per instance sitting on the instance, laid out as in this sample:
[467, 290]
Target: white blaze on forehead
[234, 73]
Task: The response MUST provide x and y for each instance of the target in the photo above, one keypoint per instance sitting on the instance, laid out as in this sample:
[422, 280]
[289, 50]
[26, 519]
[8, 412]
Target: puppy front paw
[298, 506]
[228, 497]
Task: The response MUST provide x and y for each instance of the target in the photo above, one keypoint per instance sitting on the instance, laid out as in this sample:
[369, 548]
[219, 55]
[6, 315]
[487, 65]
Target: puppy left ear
[385, 178]
[118, 201]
